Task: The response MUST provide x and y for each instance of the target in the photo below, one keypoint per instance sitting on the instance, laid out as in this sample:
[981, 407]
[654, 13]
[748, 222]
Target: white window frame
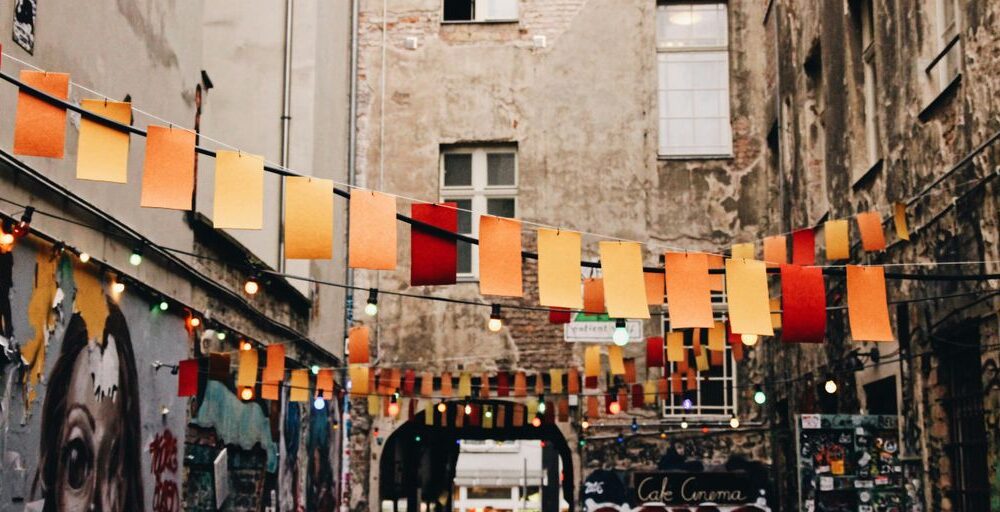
[870, 90]
[479, 192]
[673, 410]
[946, 65]
[484, 11]
[664, 50]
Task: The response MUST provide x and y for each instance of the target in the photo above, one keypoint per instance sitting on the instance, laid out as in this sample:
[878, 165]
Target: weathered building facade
[607, 116]
[246, 77]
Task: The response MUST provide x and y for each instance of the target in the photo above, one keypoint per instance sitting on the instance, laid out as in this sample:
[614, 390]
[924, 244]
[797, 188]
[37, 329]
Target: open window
[464, 11]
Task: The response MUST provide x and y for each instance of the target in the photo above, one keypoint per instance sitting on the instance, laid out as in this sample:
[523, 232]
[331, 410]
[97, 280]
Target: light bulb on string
[536, 421]
[687, 404]
[759, 396]
[164, 305]
[468, 409]
[585, 424]
[245, 345]
[117, 287]
[830, 386]
[251, 286]
[663, 434]
[442, 407]
[393, 406]
[371, 307]
[194, 321]
[620, 439]
[135, 259]
[496, 321]
[314, 369]
[84, 257]
[749, 339]
[6, 239]
[541, 405]
[319, 403]
[684, 423]
[620, 336]
[246, 394]
[614, 407]
[488, 413]
[734, 422]
[221, 335]
[635, 425]
[24, 226]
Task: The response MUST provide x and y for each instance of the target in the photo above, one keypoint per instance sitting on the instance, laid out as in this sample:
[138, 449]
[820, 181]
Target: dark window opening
[967, 448]
[880, 397]
[459, 10]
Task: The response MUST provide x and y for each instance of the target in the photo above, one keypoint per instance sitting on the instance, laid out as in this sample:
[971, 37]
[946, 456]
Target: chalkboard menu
[849, 463]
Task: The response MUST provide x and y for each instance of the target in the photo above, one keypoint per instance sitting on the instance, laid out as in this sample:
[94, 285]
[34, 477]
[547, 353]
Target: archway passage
[418, 460]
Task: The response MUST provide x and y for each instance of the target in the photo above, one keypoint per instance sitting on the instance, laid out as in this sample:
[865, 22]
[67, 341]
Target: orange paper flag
[520, 384]
[168, 169]
[716, 282]
[592, 361]
[102, 151]
[324, 383]
[559, 269]
[246, 375]
[867, 306]
[426, 384]
[593, 407]
[621, 264]
[308, 218]
[746, 288]
[870, 226]
[239, 191]
[775, 250]
[372, 242]
[573, 381]
[593, 296]
[717, 337]
[500, 257]
[275, 369]
[357, 345]
[689, 300]
[899, 220]
[744, 251]
[446, 384]
[40, 128]
[655, 288]
[298, 385]
[616, 360]
[838, 245]
[675, 346]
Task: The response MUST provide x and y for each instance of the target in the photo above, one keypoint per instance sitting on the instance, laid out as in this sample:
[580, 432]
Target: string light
[541, 404]
[635, 425]
[496, 321]
[663, 434]
[704, 430]
[614, 407]
[536, 421]
[585, 424]
[393, 405]
[246, 393]
[84, 257]
[759, 396]
[251, 286]
[620, 336]
[135, 259]
[620, 439]
[734, 422]
[442, 407]
[117, 287]
[245, 345]
[314, 369]
[488, 413]
[830, 386]
[164, 305]
[193, 321]
[416, 438]
[684, 423]
[319, 403]
[221, 335]
[6, 239]
[24, 226]
[468, 409]
[687, 404]
[371, 308]
[583, 442]
[749, 339]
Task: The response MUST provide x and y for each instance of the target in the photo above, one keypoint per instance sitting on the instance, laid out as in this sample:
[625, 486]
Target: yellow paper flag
[168, 168]
[559, 269]
[701, 361]
[649, 392]
[298, 384]
[616, 360]
[359, 380]
[899, 219]
[428, 412]
[308, 218]
[775, 305]
[746, 288]
[675, 346]
[838, 245]
[743, 251]
[465, 384]
[717, 337]
[592, 361]
[555, 381]
[102, 151]
[246, 376]
[621, 264]
[372, 243]
[239, 191]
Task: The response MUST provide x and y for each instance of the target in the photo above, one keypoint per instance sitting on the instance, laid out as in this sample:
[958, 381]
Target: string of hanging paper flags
[168, 181]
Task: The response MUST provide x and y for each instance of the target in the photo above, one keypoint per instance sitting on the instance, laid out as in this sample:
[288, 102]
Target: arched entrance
[418, 460]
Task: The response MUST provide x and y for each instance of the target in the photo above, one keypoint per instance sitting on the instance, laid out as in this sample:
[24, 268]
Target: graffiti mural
[84, 413]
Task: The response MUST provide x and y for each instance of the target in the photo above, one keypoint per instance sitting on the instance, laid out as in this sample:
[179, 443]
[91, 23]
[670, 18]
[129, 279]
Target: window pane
[501, 207]
[501, 9]
[694, 103]
[458, 10]
[691, 25]
[500, 169]
[464, 217]
[457, 170]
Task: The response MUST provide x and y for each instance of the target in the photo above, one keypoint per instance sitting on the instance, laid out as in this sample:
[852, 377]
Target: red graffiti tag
[163, 457]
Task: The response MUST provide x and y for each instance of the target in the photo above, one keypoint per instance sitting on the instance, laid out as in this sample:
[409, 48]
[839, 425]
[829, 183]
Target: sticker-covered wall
[87, 421]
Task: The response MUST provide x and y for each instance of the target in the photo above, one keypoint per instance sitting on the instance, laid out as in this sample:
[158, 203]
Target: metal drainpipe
[286, 120]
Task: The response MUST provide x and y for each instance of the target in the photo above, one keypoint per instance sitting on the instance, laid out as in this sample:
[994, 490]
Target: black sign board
[681, 487]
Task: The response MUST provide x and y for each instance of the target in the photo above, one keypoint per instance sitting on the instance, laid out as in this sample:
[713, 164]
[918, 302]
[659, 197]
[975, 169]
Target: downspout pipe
[286, 121]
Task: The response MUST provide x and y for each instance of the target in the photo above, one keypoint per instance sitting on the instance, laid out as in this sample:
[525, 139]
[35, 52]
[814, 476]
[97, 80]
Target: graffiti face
[89, 456]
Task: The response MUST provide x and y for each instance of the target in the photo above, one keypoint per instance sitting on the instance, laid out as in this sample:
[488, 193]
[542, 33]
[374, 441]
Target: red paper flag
[803, 304]
[638, 394]
[676, 384]
[593, 296]
[735, 343]
[503, 384]
[434, 258]
[590, 382]
[409, 381]
[187, 377]
[804, 247]
[559, 316]
[654, 352]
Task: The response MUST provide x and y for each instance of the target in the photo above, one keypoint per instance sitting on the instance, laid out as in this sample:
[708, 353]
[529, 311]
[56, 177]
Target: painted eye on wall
[77, 463]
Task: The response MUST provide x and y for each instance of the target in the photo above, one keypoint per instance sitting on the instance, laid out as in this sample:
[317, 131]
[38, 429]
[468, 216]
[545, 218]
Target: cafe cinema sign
[672, 487]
